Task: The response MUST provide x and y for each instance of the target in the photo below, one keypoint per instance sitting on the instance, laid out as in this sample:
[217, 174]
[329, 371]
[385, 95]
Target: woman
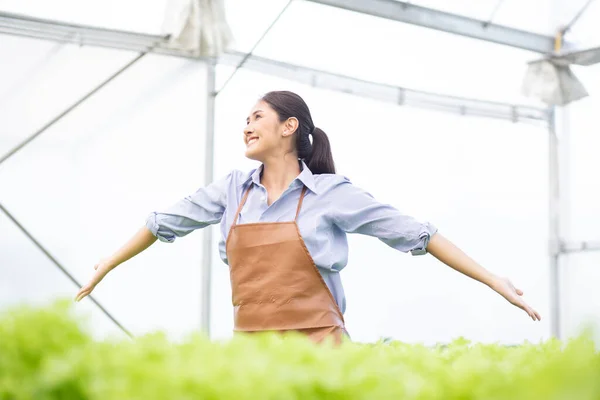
[284, 228]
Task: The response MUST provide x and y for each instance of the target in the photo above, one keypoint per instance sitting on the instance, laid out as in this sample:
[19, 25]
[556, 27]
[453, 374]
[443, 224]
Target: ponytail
[317, 154]
[320, 160]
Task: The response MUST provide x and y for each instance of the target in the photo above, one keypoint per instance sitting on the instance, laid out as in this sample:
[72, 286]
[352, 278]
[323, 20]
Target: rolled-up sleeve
[205, 207]
[356, 211]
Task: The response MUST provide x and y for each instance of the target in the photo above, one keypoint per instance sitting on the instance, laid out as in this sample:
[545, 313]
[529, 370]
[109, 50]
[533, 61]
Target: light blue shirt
[332, 208]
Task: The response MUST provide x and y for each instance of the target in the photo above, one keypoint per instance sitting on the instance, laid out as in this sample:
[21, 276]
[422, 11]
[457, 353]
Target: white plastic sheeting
[131, 15]
[540, 16]
[250, 18]
[584, 161]
[484, 183]
[327, 38]
[581, 271]
[86, 185]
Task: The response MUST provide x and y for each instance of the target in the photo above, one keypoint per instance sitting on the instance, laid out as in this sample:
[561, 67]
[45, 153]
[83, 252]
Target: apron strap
[237, 213]
[300, 202]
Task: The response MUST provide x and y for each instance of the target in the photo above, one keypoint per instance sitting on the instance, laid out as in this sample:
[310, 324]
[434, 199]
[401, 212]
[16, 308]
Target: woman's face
[264, 135]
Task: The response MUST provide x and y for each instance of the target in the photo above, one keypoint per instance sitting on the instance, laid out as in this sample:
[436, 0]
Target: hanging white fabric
[199, 26]
[551, 83]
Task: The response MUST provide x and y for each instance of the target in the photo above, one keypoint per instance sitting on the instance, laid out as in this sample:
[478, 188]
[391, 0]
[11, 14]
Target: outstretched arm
[445, 251]
[203, 208]
[138, 243]
[356, 211]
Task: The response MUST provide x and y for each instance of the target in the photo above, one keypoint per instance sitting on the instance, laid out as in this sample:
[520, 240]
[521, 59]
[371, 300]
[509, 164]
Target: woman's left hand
[507, 290]
[445, 251]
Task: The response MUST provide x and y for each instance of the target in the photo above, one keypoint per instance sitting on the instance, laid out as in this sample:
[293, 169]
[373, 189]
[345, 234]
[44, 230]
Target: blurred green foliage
[45, 353]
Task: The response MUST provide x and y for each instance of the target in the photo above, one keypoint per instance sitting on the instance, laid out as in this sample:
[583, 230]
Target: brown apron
[275, 283]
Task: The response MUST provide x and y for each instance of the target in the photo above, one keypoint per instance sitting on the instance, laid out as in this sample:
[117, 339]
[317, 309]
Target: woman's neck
[277, 174]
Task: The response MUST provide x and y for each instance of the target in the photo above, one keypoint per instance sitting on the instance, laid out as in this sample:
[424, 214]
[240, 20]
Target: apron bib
[275, 283]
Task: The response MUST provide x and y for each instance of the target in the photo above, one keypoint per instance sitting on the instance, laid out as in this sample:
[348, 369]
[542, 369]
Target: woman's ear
[290, 126]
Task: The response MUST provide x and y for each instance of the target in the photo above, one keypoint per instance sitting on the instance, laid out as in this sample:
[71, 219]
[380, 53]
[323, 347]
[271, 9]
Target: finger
[531, 314]
[84, 295]
[519, 292]
[80, 294]
[536, 316]
[83, 292]
[528, 311]
[96, 266]
[85, 287]
[525, 307]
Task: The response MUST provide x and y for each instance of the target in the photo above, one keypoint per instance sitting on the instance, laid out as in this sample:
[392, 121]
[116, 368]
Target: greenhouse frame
[219, 70]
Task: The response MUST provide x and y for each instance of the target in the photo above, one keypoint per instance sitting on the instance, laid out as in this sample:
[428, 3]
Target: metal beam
[63, 269]
[86, 35]
[36, 28]
[209, 151]
[73, 106]
[388, 93]
[576, 247]
[22, 25]
[447, 22]
[207, 243]
[251, 52]
[554, 208]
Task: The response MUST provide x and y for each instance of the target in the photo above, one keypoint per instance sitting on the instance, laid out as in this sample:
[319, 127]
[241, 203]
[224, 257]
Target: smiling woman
[289, 109]
[284, 228]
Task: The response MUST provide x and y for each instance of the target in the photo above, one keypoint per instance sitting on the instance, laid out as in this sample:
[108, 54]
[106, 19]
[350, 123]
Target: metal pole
[92, 36]
[578, 247]
[554, 225]
[576, 18]
[211, 97]
[69, 109]
[63, 269]
[247, 55]
[21, 145]
[206, 277]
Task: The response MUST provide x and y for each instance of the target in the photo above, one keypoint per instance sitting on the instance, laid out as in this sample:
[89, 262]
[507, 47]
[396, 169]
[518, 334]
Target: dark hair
[317, 155]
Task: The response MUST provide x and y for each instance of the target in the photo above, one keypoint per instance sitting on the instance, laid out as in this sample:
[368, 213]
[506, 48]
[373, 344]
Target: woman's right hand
[142, 239]
[102, 268]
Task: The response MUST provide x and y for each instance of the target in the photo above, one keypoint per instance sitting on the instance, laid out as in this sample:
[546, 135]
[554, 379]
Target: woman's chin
[253, 155]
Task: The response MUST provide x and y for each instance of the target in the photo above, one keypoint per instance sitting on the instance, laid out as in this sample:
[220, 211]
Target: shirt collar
[305, 177]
